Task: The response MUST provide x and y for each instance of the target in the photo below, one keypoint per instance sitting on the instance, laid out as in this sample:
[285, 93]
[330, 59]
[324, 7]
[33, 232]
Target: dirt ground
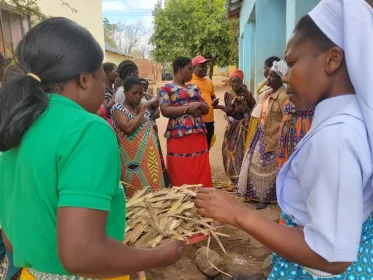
[244, 254]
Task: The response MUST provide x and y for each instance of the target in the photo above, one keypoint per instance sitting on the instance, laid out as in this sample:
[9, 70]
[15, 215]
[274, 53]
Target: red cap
[199, 59]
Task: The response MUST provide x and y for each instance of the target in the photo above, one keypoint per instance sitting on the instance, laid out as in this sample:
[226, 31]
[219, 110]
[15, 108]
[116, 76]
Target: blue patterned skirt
[361, 269]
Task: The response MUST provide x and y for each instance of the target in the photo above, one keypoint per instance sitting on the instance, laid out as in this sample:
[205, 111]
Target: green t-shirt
[69, 158]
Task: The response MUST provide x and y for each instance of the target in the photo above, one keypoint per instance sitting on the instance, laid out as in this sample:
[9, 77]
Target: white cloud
[129, 11]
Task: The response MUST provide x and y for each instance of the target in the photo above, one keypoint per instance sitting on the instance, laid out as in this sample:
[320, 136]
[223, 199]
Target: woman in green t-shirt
[62, 209]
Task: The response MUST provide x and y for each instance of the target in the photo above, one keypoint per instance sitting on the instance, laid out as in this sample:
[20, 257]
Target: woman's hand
[171, 251]
[198, 113]
[140, 109]
[215, 102]
[117, 84]
[218, 206]
[247, 93]
[192, 107]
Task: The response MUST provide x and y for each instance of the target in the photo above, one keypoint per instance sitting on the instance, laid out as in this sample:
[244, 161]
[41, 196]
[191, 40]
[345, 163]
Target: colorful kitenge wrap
[187, 149]
[362, 268]
[233, 150]
[257, 180]
[262, 92]
[294, 127]
[253, 125]
[139, 153]
[7, 269]
[166, 178]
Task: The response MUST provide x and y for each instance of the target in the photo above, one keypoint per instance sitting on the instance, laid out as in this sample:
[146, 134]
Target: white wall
[89, 14]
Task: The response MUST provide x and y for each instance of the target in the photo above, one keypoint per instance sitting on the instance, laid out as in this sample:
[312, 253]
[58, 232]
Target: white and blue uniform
[326, 186]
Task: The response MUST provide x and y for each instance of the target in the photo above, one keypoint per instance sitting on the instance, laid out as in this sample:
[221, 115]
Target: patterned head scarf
[349, 25]
[280, 68]
[237, 73]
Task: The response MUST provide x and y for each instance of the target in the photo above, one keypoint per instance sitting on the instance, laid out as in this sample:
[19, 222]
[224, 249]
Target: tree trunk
[211, 71]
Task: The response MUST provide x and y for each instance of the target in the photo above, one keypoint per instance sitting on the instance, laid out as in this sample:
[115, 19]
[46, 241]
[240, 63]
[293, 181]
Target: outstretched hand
[218, 206]
[171, 251]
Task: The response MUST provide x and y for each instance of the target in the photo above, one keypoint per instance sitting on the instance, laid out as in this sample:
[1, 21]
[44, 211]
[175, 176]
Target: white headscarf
[349, 24]
[280, 68]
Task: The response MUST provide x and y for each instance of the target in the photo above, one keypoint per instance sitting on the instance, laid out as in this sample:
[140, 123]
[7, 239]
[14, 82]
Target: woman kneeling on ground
[62, 208]
[325, 188]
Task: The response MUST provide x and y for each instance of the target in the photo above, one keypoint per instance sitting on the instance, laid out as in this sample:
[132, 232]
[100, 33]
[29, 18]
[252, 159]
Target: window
[13, 27]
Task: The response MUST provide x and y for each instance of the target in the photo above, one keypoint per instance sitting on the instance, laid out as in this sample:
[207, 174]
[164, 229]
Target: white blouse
[326, 186]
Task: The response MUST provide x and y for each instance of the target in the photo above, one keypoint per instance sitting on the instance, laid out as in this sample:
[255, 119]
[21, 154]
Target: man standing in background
[207, 88]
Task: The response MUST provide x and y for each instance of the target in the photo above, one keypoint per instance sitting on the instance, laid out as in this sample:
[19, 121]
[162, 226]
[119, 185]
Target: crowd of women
[62, 206]
[132, 113]
[259, 138]
[261, 135]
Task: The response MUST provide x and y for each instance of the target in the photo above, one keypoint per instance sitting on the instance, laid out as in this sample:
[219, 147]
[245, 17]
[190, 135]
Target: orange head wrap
[237, 73]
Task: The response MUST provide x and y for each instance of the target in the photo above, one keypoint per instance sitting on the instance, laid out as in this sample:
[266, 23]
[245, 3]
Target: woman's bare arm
[127, 125]
[172, 112]
[287, 242]
[7, 244]
[204, 107]
[84, 248]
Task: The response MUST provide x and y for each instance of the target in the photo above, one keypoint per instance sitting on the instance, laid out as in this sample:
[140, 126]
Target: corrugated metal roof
[114, 50]
[233, 8]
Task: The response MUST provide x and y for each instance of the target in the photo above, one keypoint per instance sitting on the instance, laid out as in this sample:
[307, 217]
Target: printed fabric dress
[262, 91]
[294, 127]
[187, 150]
[233, 150]
[155, 127]
[257, 180]
[140, 157]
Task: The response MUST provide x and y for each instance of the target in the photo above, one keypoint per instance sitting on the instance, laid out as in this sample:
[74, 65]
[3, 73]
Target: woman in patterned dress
[141, 161]
[325, 188]
[262, 92]
[259, 168]
[239, 102]
[187, 150]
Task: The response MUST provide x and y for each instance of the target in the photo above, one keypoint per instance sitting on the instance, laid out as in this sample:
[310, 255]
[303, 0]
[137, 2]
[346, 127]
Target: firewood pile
[153, 218]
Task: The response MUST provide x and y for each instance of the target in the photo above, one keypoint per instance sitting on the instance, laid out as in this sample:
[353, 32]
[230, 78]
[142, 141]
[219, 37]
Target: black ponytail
[57, 51]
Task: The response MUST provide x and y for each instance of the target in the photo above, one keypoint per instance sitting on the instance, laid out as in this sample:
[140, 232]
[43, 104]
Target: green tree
[198, 27]
[109, 32]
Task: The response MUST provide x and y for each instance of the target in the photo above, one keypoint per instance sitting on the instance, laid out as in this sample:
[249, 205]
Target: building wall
[115, 58]
[265, 27]
[270, 33]
[88, 15]
[224, 71]
[295, 10]
[246, 9]
[149, 69]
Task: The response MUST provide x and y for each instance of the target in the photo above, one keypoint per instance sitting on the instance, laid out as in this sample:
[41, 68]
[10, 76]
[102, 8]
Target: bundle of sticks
[153, 218]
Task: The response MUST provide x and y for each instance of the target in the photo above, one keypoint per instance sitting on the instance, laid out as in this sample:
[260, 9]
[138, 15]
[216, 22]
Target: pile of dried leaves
[153, 218]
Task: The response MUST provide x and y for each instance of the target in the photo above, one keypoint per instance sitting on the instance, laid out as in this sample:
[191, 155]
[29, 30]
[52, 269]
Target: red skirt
[188, 161]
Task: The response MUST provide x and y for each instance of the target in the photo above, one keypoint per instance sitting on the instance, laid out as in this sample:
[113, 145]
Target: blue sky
[129, 11]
